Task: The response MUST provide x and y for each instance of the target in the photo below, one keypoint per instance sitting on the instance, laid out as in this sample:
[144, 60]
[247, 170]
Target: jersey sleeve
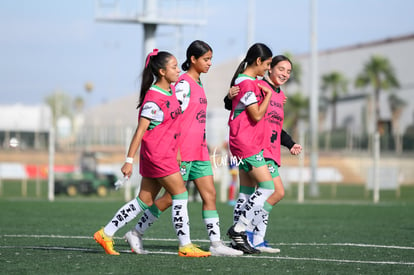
[248, 98]
[182, 91]
[152, 111]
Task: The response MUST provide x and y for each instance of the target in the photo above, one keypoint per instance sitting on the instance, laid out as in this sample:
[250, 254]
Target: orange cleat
[106, 242]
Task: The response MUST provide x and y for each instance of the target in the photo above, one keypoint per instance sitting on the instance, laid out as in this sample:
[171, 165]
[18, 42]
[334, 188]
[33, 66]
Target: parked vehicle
[85, 180]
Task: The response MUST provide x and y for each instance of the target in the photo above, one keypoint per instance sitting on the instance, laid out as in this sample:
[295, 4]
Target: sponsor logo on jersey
[201, 116]
[273, 138]
[203, 100]
[274, 117]
[174, 114]
[276, 104]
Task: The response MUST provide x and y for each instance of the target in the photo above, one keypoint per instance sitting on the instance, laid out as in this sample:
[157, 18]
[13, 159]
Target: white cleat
[265, 247]
[220, 249]
[134, 239]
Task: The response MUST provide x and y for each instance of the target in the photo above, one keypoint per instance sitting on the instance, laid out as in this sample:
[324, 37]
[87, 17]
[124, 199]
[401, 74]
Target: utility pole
[314, 102]
[250, 22]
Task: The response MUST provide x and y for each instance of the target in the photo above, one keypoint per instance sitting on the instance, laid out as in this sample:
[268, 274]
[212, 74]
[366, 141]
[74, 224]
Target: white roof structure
[25, 118]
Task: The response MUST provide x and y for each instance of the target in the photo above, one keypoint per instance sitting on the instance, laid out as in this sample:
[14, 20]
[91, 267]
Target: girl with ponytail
[247, 140]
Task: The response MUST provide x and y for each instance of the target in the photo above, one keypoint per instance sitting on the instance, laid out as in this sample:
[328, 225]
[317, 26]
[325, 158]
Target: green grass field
[346, 235]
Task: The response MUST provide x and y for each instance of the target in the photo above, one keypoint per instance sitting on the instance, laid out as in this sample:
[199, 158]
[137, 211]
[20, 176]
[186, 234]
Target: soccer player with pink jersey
[157, 135]
[248, 137]
[279, 73]
[195, 165]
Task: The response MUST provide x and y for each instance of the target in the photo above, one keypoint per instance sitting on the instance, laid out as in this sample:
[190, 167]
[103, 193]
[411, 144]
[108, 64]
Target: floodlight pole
[51, 170]
[376, 156]
[250, 22]
[375, 152]
[149, 29]
[301, 183]
[314, 102]
[150, 20]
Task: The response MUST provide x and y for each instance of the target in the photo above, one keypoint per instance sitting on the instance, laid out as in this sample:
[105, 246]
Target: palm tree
[335, 83]
[60, 104]
[379, 74]
[297, 108]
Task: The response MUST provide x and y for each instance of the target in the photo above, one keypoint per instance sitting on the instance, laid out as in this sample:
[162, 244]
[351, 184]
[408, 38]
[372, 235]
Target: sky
[48, 46]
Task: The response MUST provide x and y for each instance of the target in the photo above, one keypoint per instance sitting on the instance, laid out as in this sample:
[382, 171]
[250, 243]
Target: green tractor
[86, 181]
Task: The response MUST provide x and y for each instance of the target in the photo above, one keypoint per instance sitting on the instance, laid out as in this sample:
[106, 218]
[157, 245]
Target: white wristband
[129, 160]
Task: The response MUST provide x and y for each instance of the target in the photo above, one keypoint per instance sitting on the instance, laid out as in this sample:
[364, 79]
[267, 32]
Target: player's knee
[164, 202]
[210, 198]
[213, 193]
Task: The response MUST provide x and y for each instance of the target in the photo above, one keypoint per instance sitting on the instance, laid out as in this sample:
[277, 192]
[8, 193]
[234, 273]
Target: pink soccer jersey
[274, 118]
[247, 137]
[159, 146]
[193, 145]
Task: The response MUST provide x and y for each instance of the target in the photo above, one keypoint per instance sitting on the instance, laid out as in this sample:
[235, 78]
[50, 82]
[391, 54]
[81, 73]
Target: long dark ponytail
[151, 73]
[257, 50]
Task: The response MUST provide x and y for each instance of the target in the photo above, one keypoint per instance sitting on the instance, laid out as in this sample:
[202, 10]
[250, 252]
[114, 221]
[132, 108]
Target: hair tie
[245, 65]
[154, 52]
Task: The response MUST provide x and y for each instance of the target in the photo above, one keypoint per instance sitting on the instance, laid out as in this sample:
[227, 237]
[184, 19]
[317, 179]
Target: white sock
[241, 224]
[147, 219]
[260, 229]
[238, 207]
[180, 220]
[211, 220]
[124, 215]
[257, 199]
[257, 210]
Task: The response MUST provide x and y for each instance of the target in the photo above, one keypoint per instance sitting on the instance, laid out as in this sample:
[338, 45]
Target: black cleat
[239, 241]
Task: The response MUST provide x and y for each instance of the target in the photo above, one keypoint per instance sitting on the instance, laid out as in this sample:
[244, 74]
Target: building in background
[24, 127]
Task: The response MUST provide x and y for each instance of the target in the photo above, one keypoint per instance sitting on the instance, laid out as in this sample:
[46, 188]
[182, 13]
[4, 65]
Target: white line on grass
[350, 244]
[175, 253]
[334, 260]
[77, 249]
[206, 241]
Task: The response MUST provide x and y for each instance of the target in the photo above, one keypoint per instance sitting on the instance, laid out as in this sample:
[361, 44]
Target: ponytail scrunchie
[154, 52]
[245, 64]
